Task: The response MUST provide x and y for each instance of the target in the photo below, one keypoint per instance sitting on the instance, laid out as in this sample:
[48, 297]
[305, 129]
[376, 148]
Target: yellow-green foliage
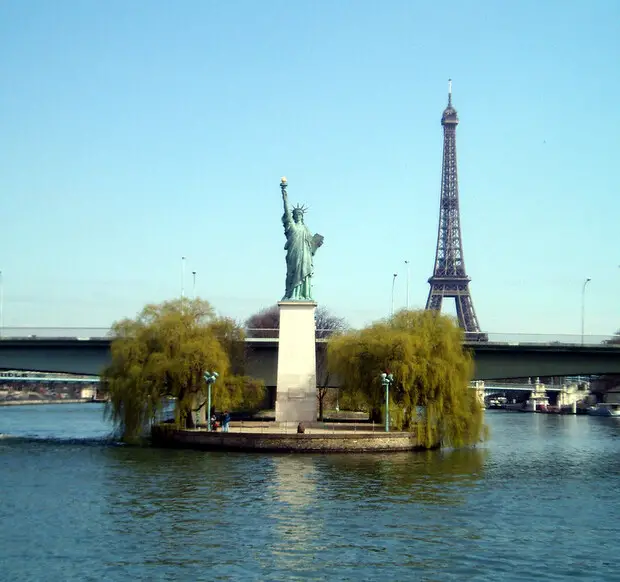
[424, 351]
[240, 393]
[165, 351]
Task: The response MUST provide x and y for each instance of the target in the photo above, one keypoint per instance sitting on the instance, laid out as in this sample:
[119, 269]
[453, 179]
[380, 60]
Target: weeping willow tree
[241, 393]
[432, 371]
[164, 352]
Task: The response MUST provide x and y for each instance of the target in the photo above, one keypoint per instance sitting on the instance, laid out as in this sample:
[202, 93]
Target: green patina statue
[300, 248]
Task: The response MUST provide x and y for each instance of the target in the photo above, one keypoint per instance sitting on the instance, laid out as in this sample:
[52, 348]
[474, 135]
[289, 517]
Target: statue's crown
[301, 208]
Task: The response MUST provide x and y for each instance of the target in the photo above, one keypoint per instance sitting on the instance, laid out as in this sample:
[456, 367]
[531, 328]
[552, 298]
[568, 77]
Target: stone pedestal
[296, 380]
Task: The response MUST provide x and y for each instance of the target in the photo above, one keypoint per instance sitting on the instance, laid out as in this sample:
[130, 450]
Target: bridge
[496, 387]
[86, 351]
[45, 379]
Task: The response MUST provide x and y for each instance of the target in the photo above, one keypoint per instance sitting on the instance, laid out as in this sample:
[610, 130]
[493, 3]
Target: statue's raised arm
[300, 248]
[287, 218]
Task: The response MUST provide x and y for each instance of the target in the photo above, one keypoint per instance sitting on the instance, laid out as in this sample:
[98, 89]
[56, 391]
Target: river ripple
[538, 502]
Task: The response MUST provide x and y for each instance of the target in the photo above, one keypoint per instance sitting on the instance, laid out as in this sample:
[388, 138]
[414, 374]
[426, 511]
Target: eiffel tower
[449, 277]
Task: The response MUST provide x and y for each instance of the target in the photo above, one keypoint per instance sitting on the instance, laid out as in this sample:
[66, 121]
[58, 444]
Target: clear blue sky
[133, 133]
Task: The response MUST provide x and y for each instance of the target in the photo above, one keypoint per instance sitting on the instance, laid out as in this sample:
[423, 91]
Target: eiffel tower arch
[449, 279]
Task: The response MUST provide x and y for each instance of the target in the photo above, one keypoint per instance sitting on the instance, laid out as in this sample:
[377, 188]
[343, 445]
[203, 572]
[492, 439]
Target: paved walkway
[291, 428]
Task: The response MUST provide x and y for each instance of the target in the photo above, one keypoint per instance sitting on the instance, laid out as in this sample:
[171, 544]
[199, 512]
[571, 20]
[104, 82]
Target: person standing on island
[225, 421]
[214, 423]
[300, 248]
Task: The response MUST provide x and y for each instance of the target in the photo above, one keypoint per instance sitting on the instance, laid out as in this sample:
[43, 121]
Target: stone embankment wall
[166, 436]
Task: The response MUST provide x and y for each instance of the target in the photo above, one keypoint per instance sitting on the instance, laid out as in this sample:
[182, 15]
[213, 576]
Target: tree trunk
[189, 420]
[186, 417]
[322, 389]
[200, 411]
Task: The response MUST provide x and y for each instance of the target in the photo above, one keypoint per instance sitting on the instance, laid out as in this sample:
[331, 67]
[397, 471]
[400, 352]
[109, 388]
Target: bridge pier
[479, 388]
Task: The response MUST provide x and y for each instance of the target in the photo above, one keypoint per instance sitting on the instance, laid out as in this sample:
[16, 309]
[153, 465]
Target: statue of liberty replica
[296, 376]
[300, 248]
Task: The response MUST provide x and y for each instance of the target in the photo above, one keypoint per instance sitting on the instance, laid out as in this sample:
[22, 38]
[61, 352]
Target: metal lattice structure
[449, 276]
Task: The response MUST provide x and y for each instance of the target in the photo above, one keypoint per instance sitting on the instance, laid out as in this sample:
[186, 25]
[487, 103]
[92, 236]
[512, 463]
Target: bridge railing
[550, 339]
[26, 332]
[494, 387]
[105, 332]
[274, 333]
[88, 333]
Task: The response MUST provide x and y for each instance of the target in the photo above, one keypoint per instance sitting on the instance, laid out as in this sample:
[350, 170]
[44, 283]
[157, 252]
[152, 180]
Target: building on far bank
[88, 393]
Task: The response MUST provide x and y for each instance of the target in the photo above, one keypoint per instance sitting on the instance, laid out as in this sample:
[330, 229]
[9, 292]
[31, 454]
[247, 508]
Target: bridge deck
[88, 357]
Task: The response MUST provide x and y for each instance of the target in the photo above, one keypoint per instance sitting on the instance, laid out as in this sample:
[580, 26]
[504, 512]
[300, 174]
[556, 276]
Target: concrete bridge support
[479, 387]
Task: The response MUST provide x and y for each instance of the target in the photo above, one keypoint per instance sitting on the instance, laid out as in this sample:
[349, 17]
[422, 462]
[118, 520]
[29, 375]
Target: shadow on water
[9, 440]
[426, 476]
[317, 495]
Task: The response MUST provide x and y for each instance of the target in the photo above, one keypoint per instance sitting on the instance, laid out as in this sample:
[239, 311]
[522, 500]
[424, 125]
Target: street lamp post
[393, 282]
[194, 285]
[210, 379]
[407, 263]
[182, 277]
[386, 380]
[583, 307]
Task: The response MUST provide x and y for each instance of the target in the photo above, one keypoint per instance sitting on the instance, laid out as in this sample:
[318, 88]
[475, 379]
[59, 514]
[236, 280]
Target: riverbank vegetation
[430, 396]
[163, 354]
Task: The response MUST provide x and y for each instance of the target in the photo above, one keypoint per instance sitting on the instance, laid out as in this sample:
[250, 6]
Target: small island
[414, 362]
[407, 376]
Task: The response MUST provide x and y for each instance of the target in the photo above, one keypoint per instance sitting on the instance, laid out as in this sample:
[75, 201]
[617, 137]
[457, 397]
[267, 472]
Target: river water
[539, 501]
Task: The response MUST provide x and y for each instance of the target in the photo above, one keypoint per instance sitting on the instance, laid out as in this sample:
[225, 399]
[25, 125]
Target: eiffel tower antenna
[449, 277]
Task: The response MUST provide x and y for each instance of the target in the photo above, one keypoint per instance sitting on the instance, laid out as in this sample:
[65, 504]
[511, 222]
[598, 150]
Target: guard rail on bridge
[90, 333]
[495, 387]
[47, 379]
